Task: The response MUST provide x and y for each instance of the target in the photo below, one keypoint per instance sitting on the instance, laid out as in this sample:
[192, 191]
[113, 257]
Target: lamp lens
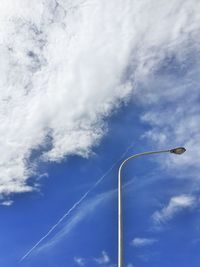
[178, 150]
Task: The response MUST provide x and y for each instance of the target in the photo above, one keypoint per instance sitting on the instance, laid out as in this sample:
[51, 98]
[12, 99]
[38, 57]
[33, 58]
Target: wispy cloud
[81, 213]
[79, 261]
[171, 110]
[176, 205]
[103, 259]
[77, 204]
[142, 242]
[81, 209]
[6, 203]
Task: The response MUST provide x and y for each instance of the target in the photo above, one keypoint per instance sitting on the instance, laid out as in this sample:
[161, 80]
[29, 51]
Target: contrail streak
[76, 204]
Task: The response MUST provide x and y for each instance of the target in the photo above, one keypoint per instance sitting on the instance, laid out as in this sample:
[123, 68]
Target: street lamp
[178, 151]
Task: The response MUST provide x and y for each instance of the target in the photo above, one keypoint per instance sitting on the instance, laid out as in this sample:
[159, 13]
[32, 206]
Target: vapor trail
[77, 203]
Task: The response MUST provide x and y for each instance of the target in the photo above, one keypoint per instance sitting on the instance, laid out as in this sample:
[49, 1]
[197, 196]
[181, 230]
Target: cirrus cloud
[141, 242]
[175, 205]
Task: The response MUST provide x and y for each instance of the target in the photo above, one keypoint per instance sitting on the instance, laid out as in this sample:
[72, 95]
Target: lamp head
[178, 150]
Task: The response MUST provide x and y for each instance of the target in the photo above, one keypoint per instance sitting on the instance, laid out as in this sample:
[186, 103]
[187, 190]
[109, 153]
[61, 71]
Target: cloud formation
[178, 125]
[65, 65]
[79, 261]
[75, 205]
[103, 259]
[141, 242]
[175, 205]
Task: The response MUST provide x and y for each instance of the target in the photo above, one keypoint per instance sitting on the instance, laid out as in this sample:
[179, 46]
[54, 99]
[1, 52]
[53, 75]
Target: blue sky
[86, 84]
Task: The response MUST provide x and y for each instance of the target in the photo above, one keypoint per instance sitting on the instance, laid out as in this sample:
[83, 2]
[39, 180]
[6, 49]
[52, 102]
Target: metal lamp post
[178, 150]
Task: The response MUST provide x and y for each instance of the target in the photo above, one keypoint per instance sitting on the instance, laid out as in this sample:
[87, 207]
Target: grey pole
[179, 150]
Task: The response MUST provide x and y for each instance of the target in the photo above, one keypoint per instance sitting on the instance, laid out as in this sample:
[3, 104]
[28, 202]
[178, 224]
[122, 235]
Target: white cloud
[103, 259]
[6, 203]
[79, 261]
[171, 109]
[174, 121]
[141, 242]
[175, 205]
[66, 65]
